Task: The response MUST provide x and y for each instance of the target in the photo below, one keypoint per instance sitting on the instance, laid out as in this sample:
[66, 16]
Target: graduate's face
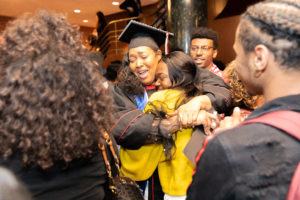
[162, 76]
[143, 62]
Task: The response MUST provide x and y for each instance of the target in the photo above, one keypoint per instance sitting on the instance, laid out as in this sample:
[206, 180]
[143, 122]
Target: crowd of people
[170, 116]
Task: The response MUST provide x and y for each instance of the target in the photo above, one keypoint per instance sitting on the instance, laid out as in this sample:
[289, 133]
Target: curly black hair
[53, 105]
[204, 32]
[279, 32]
[239, 94]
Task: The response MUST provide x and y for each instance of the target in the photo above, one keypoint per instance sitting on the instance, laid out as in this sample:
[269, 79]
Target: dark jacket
[132, 126]
[81, 179]
[253, 161]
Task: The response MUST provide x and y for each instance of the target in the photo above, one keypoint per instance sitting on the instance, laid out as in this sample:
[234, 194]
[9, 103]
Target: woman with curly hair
[239, 95]
[52, 108]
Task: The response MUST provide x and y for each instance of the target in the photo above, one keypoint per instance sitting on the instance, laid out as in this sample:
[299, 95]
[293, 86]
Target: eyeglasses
[204, 49]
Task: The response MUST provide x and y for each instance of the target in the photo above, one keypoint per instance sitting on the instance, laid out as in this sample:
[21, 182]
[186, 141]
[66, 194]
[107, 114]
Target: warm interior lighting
[85, 21]
[76, 11]
[115, 3]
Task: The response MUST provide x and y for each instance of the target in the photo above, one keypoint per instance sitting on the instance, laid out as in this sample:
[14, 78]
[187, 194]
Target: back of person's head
[204, 32]
[113, 70]
[100, 16]
[238, 92]
[276, 25]
[53, 105]
[11, 188]
[183, 72]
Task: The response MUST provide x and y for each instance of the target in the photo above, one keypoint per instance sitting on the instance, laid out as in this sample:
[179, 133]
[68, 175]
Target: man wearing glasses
[203, 49]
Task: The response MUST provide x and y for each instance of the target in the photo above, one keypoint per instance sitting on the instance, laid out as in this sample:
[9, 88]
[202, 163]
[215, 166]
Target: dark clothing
[135, 5]
[132, 126]
[81, 179]
[253, 161]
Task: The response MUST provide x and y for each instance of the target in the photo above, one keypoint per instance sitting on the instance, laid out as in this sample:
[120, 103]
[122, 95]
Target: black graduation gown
[253, 161]
[132, 126]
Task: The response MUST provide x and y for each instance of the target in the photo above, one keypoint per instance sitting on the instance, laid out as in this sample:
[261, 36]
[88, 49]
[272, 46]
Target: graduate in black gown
[133, 128]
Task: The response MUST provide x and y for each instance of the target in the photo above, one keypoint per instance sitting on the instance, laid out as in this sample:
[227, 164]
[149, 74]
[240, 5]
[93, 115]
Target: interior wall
[3, 22]
[147, 12]
[225, 27]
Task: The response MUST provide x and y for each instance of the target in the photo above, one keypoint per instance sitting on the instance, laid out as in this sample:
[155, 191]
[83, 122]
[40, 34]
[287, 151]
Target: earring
[257, 73]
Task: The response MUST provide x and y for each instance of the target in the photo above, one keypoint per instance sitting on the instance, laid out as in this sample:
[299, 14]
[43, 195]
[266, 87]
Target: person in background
[132, 128]
[112, 71]
[101, 23]
[132, 7]
[256, 160]
[53, 109]
[240, 97]
[203, 49]
[11, 188]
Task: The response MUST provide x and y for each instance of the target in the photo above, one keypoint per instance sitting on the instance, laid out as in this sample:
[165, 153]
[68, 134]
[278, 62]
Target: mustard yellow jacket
[175, 175]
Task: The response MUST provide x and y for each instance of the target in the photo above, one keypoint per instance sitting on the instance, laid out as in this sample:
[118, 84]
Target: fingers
[207, 125]
[236, 115]
[208, 120]
[194, 119]
[230, 122]
[184, 120]
[172, 114]
[188, 120]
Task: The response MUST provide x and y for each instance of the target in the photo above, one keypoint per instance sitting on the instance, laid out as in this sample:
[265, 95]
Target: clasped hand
[194, 113]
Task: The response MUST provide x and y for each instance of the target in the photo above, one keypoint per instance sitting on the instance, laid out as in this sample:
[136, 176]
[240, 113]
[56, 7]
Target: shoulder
[165, 95]
[252, 147]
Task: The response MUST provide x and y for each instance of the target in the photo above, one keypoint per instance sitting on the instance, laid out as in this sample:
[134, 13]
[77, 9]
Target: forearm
[131, 129]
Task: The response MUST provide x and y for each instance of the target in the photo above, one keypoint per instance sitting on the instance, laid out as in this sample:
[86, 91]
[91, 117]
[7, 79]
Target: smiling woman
[133, 128]
[143, 62]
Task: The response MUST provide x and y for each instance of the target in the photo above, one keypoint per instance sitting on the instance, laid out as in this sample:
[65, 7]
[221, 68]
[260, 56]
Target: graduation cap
[139, 34]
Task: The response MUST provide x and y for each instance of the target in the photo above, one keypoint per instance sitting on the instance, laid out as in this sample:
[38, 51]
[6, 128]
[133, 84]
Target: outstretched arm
[215, 95]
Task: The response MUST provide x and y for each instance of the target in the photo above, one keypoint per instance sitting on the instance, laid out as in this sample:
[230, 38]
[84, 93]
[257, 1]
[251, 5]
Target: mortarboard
[139, 34]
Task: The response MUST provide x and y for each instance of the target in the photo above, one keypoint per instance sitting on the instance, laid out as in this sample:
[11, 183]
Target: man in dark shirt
[257, 161]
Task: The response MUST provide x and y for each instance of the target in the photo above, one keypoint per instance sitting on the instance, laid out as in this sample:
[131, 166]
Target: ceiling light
[85, 21]
[115, 3]
[76, 11]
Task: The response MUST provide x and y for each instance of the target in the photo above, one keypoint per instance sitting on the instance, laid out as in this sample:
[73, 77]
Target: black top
[253, 161]
[132, 126]
[82, 179]
[134, 5]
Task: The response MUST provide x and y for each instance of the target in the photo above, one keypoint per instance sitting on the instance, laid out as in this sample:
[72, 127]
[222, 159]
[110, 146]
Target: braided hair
[279, 32]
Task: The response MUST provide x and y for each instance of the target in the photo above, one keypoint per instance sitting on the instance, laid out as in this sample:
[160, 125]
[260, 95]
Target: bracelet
[154, 137]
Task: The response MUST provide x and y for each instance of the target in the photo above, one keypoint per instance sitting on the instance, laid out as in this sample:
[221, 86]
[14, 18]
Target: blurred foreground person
[53, 109]
[256, 160]
[11, 188]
